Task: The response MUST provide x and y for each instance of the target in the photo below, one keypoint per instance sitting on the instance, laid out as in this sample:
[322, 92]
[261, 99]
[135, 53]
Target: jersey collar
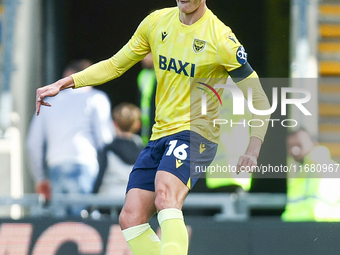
[187, 28]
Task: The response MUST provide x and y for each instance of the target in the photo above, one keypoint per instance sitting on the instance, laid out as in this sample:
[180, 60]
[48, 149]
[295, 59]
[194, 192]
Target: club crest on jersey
[198, 45]
[241, 55]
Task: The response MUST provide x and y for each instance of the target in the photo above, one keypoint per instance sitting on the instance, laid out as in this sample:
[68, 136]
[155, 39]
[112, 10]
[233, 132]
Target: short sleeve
[234, 57]
[231, 52]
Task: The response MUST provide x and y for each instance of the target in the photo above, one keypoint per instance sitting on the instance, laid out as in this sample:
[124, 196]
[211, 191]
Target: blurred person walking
[64, 141]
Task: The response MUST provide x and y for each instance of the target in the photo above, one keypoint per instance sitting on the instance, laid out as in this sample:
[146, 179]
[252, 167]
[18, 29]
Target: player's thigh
[186, 152]
[138, 208]
[144, 171]
[176, 173]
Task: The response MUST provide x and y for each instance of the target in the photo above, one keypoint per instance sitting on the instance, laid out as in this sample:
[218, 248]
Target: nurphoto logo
[239, 103]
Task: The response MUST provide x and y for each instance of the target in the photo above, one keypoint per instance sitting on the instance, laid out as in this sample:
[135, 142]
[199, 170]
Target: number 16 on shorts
[179, 152]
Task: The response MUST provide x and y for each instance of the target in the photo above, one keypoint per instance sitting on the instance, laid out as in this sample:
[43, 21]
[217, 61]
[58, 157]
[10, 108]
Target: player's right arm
[135, 50]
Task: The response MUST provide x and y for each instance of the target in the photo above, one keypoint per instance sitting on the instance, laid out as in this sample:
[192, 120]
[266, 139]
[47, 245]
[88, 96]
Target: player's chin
[185, 7]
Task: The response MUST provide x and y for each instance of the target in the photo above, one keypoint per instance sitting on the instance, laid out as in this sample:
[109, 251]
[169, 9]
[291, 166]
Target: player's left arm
[234, 58]
[257, 134]
[260, 102]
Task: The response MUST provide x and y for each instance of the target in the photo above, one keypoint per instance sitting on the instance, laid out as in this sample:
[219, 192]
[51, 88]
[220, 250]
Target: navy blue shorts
[178, 154]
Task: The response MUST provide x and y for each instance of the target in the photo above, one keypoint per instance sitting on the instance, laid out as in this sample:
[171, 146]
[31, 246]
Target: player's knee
[164, 199]
[160, 201]
[123, 219]
[128, 218]
[168, 196]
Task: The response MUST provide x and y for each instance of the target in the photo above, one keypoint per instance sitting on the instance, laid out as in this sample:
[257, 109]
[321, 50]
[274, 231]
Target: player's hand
[47, 91]
[246, 163]
[44, 188]
[51, 91]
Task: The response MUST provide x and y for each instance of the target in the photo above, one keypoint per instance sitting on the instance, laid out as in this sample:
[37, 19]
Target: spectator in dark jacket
[117, 159]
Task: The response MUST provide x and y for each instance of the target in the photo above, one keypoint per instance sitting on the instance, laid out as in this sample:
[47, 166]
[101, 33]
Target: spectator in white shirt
[63, 142]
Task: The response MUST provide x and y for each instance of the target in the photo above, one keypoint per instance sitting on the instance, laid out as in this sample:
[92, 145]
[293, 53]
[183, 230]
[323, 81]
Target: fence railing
[231, 206]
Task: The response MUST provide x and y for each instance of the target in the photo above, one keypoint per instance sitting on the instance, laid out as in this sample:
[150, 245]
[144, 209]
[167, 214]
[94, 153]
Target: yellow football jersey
[206, 51]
